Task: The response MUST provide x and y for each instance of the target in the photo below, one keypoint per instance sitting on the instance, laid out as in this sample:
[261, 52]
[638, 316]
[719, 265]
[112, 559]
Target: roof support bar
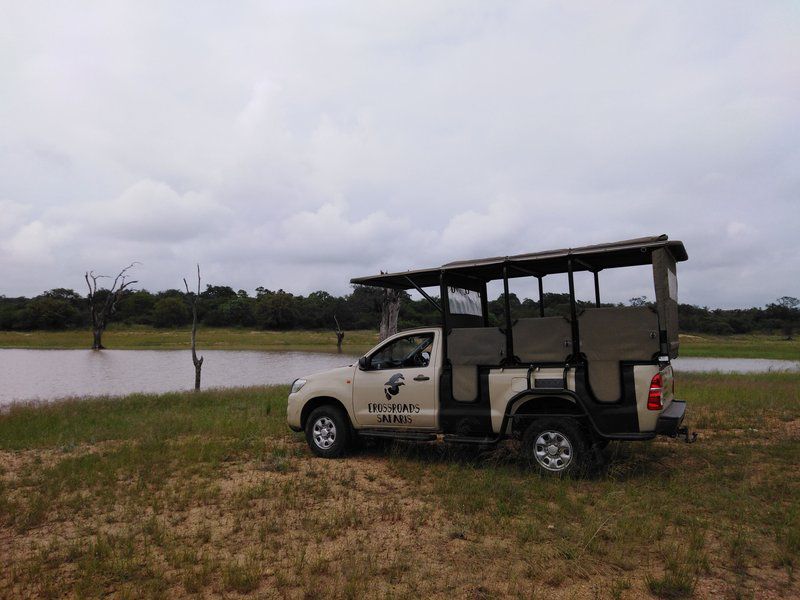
[507, 307]
[541, 297]
[573, 312]
[445, 301]
[596, 290]
[424, 294]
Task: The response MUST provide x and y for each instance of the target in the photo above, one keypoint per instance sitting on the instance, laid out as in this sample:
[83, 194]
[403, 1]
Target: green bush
[170, 312]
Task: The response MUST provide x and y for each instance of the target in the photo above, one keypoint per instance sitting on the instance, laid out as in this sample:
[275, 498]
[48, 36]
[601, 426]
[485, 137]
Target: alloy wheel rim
[324, 432]
[553, 450]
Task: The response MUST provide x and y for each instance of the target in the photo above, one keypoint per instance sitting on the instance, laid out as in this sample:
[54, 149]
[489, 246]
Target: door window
[409, 351]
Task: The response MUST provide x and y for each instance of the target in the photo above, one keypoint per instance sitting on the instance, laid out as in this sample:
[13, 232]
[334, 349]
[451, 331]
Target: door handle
[421, 378]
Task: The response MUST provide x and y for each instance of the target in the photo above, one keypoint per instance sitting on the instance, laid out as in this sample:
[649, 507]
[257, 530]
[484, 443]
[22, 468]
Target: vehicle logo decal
[392, 387]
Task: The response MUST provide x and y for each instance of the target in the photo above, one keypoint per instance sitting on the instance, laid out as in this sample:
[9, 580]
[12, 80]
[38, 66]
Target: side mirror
[363, 363]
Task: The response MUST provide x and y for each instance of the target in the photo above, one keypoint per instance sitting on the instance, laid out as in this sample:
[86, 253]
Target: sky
[295, 145]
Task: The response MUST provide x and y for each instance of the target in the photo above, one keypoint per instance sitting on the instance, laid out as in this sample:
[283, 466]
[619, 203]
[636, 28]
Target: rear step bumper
[670, 420]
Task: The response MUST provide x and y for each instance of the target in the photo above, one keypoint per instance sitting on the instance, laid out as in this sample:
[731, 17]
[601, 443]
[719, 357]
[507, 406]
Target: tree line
[222, 306]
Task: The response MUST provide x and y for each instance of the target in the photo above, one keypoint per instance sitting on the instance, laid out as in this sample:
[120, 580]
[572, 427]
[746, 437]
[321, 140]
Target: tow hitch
[684, 431]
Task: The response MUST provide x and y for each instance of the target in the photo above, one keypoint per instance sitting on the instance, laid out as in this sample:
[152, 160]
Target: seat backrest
[476, 346]
[468, 347]
[611, 335]
[546, 339]
[619, 333]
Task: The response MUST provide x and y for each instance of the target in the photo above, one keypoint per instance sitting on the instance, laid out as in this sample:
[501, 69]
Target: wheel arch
[528, 405]
[316, 402]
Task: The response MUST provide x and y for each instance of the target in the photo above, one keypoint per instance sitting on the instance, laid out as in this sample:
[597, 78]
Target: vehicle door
[397, 386]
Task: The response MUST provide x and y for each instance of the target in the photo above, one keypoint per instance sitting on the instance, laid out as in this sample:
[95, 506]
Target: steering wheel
[416, 355]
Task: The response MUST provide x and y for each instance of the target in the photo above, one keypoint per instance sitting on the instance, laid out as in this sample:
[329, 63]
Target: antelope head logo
[392, 387]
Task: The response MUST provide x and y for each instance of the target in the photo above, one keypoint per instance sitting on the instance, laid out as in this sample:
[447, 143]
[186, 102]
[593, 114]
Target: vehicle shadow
[619, 461]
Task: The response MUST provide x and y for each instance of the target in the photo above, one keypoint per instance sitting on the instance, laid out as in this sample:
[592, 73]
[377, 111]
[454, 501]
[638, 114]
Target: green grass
[740, 346]
[188, 494]
[212, 338]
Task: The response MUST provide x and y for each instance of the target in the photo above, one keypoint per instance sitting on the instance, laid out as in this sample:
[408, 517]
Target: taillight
[654, 397]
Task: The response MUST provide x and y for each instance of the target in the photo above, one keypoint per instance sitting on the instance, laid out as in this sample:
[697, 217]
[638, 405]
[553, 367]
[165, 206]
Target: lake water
[50, 374]
[735, 365]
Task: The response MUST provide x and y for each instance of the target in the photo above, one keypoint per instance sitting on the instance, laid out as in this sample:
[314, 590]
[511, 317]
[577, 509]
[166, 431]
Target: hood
[335, 371]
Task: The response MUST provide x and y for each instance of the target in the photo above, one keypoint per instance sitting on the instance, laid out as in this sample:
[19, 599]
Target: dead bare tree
[197, 362]
[339, 334]
[390, 310]
[101, 308]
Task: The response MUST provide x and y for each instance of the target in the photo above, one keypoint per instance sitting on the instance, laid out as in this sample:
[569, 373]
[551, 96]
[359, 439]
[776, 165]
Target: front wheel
[328, 432]
[556, 447]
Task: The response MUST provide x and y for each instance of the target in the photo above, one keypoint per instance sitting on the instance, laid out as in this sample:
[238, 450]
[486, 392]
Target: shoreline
[356, 342]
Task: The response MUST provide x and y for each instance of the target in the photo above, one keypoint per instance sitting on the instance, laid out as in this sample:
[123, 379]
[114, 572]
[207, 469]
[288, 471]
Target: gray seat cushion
[604, 377]
[465, 383]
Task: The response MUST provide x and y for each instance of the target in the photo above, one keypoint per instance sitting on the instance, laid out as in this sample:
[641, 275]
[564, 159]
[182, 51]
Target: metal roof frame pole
[484, 304]
[445, 302]
[541, 297]
[596, 290]
[576, 344]
[507, 308]
[424, 294]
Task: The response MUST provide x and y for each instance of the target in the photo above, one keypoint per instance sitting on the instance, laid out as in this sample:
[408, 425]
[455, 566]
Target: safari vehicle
[564, 386]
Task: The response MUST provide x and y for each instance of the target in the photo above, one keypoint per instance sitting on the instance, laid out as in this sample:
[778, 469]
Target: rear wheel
[328, 432]
[556, 447]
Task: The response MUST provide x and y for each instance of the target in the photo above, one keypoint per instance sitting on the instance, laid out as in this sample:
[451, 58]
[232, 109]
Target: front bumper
[670, 420]
[293, 410]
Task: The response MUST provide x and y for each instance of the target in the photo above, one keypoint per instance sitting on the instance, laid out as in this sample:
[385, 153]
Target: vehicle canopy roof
[625, 253]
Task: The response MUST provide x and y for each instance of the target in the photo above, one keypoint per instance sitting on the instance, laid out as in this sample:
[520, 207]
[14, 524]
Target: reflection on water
[49, 374]
[734, 365]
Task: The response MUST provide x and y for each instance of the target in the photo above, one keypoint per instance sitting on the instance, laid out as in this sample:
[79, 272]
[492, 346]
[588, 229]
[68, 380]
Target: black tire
[557, 447]
[328, 431]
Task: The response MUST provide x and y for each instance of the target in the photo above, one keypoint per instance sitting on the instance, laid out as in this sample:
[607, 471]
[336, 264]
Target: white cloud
[326, 235]
[35, 244]
[474, 233]
[297, 146]
[12, 216]
[151, 211]
[737, 229]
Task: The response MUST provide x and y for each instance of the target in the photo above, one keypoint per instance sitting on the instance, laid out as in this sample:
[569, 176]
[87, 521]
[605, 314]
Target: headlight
[297, 385]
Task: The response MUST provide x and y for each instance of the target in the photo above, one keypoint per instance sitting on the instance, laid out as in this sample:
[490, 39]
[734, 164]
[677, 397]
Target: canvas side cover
[665, 276]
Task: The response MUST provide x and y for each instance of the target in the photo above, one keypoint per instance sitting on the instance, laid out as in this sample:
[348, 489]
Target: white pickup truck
[564, 386]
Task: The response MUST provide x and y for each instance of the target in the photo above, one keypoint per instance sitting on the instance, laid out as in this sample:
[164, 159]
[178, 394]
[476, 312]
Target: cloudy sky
[298, 144]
